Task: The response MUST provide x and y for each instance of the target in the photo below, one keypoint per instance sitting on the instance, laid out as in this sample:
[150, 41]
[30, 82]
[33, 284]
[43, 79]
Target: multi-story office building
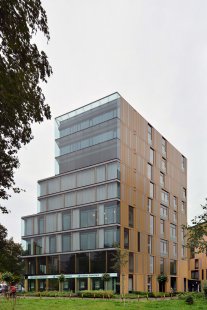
[117, 181]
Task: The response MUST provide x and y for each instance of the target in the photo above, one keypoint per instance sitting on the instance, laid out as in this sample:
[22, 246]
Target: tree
[61, 280]
[22, 68]
[10, 256]
[197, 232]
[162, 279]
[120, 259]
[106, 278]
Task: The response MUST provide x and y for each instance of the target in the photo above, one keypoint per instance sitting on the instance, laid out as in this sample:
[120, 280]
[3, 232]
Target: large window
[164, 147]
[151, 190]
[138, 241]
[173, 232]
[111, 213]
[111, 237]
[151, 156]
[149, 241]
[66, 242]
[164, 165]
[151, 224]
[149, 134]
[66, 220]
[162, 227]
[163, 247]
[175, 249]
[149, 205]
[163, 212]
[41, 225]
[88, 217]
[126, 238]
[184, 193]
[131, 216]
[28, 226]
[131, 262]
[162, 265]
[175, 202]
[165, 197]
[173, 269]
[52, 244]
[162, 179]
[38, 246]
[183, 164]
[151, 264]
[149, 171]
[88, 240]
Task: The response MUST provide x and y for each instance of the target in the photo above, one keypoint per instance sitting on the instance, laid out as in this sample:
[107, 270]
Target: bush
[205, 289]
[96, 294]
[189, 300]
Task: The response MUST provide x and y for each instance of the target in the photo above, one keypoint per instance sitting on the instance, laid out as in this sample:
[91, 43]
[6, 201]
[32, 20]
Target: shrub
[96, 294]
[205, 289]
[189, 300]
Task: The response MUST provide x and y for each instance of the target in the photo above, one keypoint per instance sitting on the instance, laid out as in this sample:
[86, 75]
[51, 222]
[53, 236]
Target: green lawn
[85, 304]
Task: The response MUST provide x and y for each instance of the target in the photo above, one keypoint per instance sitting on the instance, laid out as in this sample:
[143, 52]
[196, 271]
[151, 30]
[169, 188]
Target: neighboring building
[117, 181]
[197, 267]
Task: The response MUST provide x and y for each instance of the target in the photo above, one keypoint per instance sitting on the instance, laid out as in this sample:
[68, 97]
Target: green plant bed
[96, 294]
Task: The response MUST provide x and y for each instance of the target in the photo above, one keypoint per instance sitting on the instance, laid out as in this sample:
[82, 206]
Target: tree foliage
[197, 232]
[120, 258]
[22, 68]
[10, 255]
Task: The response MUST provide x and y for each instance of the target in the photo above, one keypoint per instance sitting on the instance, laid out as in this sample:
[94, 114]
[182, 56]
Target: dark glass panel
[82, 263]
[98, 262]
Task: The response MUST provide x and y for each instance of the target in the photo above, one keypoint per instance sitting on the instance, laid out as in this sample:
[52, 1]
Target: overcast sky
[154, 53]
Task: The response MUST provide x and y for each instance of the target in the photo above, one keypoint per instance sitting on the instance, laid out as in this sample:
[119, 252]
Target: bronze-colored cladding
[135, 190]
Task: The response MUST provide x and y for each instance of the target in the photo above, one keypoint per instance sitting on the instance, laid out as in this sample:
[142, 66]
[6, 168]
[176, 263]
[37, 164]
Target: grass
[85, 304]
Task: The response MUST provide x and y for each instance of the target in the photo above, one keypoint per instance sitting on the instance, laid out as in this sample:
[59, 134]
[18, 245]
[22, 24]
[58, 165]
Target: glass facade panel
[51, 222]
[86, 177]
[112, 171]
[66, 220]
[37, 245]
[66, 242]
[52, 244]
[88, 240]
[28, 226]
[67, 263]
[53, 265]
[82, 263]
[68, 181]
[86, 196]
[70, 199]
[88, 217]
[98, 262]
[100, 174]
[41, 265]
[55, 202]
[41, 225]
[111, 237]
[101, 192]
